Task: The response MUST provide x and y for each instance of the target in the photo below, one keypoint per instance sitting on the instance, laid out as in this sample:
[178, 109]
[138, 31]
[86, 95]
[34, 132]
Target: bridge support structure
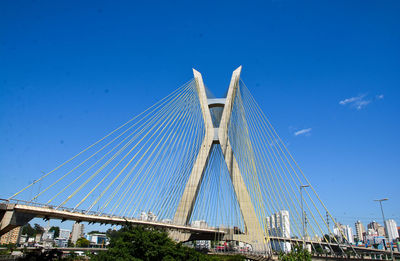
[254, 233]
[11, 219]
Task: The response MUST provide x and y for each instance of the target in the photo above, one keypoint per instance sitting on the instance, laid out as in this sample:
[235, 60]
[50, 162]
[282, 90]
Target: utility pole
[302, 211]
[384, 224]
[327, 222]
[305, 221]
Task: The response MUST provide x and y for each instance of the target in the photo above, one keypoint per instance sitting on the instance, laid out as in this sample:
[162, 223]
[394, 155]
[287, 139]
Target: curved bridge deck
[17, 213]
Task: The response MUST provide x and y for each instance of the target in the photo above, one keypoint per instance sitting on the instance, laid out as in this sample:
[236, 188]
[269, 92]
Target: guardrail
[37, 204]
[91, 213]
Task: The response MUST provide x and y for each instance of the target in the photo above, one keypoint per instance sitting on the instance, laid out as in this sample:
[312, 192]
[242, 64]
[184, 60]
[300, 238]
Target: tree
[32, 231]
[70, 244]
[56, 231]
[318, 249]
[38, 229]
[11, 247]
[143, 243]
[28, 230]
[298, 253]
[111, 233]
[330, 238]
[82, 242]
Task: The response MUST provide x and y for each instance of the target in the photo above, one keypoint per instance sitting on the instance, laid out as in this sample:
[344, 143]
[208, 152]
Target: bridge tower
[218, 136]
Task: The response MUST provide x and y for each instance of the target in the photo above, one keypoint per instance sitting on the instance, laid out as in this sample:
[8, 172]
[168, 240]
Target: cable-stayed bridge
[199, 166]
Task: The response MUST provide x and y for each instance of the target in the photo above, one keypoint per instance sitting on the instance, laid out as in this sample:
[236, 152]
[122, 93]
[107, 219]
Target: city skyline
[339, 119]
[69, 225]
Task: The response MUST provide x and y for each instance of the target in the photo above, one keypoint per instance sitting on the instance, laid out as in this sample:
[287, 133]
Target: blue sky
[326, 71]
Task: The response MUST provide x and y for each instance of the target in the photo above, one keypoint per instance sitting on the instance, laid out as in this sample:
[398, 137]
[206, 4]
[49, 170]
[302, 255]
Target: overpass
[14, 213]
[337, 248]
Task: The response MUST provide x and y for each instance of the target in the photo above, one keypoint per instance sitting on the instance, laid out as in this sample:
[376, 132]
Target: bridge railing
[92, 213]
[37, 204]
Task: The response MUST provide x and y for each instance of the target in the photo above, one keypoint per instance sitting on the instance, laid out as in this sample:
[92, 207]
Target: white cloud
[380, 96]
[361, 104]
[303, 132]
[357, 102]
[350, 100]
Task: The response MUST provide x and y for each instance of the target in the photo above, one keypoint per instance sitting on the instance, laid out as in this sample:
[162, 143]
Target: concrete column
[254, 233]
[11, 219]
[188, 199]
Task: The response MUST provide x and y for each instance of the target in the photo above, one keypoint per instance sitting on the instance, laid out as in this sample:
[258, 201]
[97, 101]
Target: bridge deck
[49, 212]
[358, 249]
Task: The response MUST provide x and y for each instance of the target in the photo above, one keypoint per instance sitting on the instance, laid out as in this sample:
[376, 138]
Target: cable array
[140, 170]
[272, 176]
[141, 166]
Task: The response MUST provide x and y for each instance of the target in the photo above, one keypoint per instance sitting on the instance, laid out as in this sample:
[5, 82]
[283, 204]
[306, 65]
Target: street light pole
[302, 211]
[384, 225]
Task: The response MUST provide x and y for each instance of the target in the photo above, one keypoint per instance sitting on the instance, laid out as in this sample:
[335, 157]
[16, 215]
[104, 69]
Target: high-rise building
[378, 228]
[343, 232]
[149, 216]
[391, 228]
[77, 232]
[381, 231]
[278, 225]
[338, 231]
[11, 236]
[349, 233]
[372, 232]
[61, 242]
[48, 235]
[64, 234]
[38, 238]
[360, 230]
[143, 216]
[199, 224]
[373, 225]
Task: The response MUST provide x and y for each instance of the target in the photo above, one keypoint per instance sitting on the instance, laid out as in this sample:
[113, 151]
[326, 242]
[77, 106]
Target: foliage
[56, 231]
[38, 229]
[32, 231]
[70, 244]
[94, 232]
[11, 247]
[111, 233]
[214, 243]
[330, 238]
[28, 230]
[82, 242]
[142, 243]
[53, 254]
[318, 249]
[71, 256]
[298, 253]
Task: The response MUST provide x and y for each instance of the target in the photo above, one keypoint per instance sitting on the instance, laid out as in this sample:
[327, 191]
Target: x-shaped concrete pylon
[253, 234]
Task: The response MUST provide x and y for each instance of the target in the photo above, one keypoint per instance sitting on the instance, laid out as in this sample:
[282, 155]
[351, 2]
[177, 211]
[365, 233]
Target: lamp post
[302, 210]
[384, 224]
